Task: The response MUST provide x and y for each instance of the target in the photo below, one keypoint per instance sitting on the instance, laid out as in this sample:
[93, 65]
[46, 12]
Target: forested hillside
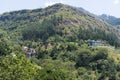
[53, 43]
[63, 21]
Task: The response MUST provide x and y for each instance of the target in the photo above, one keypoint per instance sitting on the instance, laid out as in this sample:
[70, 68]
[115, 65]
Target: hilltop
[74, 16]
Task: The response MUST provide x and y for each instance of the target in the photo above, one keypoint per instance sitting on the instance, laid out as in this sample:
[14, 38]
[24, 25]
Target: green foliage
[42, 31]
[85, 74]
[51, 73]
[98, 62]
[102, 53]
[14, 67]
[104, 65]
[2, 33]
[107, 69]
[84, 58]
[5, 48]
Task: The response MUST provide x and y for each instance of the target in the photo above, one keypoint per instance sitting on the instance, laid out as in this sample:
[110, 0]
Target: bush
[84, 58]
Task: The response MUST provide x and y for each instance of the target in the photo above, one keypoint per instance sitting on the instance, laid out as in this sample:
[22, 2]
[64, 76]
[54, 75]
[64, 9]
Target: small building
[95, 43]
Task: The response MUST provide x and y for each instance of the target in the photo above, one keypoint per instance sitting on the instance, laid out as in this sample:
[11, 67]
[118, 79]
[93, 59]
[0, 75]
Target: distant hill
[58, 22]
[110, 19]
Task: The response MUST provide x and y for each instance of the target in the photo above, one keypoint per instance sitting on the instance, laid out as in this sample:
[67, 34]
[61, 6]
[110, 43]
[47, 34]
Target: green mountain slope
[58, 22]
[72, 15]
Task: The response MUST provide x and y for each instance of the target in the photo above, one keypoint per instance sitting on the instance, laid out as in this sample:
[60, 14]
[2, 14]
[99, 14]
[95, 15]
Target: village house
[28, 51]
[95, 43]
